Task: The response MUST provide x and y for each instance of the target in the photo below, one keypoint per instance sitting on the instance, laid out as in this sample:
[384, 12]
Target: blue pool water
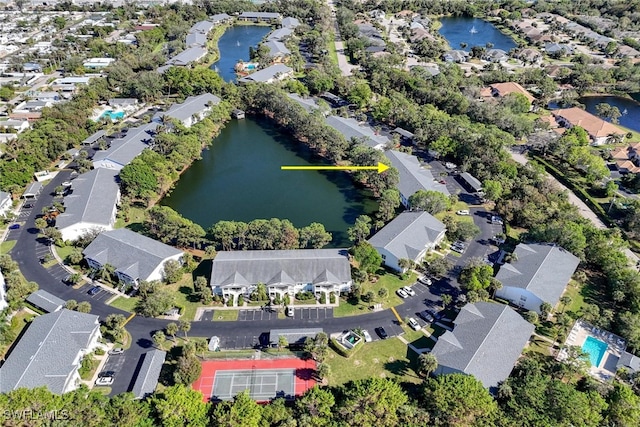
[113, 116]
[596, 349]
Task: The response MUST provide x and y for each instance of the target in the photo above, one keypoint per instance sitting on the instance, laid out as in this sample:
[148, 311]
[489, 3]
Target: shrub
[99, 351]
[323, 298]
[241, 300]
[332, 298]
[304, 296]
[368, 297]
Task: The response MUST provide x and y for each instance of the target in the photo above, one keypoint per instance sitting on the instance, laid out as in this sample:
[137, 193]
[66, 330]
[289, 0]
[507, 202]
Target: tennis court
[265, 379]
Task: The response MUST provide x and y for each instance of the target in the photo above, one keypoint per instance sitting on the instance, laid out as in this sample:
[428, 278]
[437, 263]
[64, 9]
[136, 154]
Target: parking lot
[314, 313]
[239, 342]
[102, 295]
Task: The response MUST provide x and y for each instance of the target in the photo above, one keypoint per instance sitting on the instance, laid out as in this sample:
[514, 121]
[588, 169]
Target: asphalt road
[252, 328]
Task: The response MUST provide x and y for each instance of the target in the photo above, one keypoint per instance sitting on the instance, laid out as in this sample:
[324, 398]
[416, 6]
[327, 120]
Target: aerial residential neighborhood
[311, 212]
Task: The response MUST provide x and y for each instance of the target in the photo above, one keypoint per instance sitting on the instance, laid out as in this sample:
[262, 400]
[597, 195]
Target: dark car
[94, 290]
[381, 333]
[28, 205]
[14, 226]
[428, 317]
[106, 374]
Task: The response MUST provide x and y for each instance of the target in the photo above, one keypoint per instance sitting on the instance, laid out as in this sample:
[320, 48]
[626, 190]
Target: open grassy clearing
[18, 322]
[5, 247]
[125, 304]
[225, 315]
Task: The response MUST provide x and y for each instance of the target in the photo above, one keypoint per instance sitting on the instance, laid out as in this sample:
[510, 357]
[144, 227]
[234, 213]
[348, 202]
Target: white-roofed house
[6, 202]
[123, 150]
[191, 111]
[412, 177]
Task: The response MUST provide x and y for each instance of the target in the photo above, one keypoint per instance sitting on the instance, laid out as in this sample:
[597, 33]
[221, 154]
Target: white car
[118, 350]
[104, 381]
[402, 294]
[409, 291]
[366, 335]
[463, 212]
[425, 280]
[414, 324]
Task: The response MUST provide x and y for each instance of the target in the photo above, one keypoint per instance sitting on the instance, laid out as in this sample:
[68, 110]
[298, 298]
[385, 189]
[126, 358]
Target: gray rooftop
[4, 195]
[46, 301]
[293, 336]
[308, 103]
[277, 48]
[350, 128]
[219, 17]
[542, 269]
[412, 176]
[147, 379]
[123, 101]
[267, 74]
[280, 34]
[46, 353]
[131, 253]
[192, 105]
[33, 189]
[407, 235]
[188, 56]
[196, 39]
[281, 266]
[123, 150]
[94, 137]
[94, 196]
[486, 341]
[290, 22]
[202, 27]
[472, 181]
[629, 361]
[404, 133]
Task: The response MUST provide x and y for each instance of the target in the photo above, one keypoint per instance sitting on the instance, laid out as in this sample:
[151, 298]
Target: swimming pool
[595, 349]
[112, 115]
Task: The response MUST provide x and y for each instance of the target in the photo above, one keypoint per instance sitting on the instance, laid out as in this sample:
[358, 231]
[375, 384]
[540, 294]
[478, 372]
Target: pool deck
[615, 347]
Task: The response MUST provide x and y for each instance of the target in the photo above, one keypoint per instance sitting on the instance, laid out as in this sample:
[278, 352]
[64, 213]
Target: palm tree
[172, 329]
[446, 299]
[565, 301]
[184, 326]
[159, 338]
[106, 272]
[404, 263]
[427, 363]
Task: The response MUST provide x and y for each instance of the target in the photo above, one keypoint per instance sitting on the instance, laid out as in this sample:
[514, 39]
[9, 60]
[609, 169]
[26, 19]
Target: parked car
[66, 184]
[115, 351]
[409, 291]
[290, 311]
[413, 323]
[426, 316]
[425, 280]
[457, 247]
[496, 220]
[463, 212]
[104, 381]
[106, 374]
[366, 335]
[14, 226]
[402, 294]
[28, 205]
[381, 332]
[94, 290]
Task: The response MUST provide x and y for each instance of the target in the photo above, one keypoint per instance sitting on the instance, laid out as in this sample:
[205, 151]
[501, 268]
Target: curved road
[236, 334]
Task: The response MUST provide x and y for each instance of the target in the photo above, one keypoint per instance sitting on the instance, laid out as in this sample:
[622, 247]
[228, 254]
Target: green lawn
[539, 345]
[126, 304]
[63, 252]
[386, 358]
[183, 291]
[389, 281]
[225, 315]
[136, 218]
[333, 53]
[18, 323]
[573, 290]
[5, 247]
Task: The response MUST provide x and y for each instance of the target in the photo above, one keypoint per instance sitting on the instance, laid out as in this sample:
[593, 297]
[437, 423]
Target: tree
[41, 224]
[172, 271]
[188, 369]
[371, 401]
[282, 342]
[159, 338]
[427, 363]
[180, 406]
[360, 94]
[71, 304]
[75, 256]
[608, 112]
[243, 411]
[323, 371]
[565, 300]
[388, 203]
[383, 293]
[433, 202]
[184, 326]
[531, 317]
[360, 229]
[367, 257]
[446, 299]
[172, 330]
[492, 189]
[52, 234]
[84, 307]
[155, 303]
[106, 273]
[315, 407]
[438, 267]
[545, 309]
[404, 263]
[476, 276]
[138, 179]
[624, 406]
[459, 400]
[314, 236]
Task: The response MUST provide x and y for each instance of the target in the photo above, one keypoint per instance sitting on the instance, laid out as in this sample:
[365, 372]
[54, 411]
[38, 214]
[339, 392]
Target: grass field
[225, 315]
[5, 247]
[18, 323]
[389, 281]
[126, 304]
[63, 252]
[386, 358]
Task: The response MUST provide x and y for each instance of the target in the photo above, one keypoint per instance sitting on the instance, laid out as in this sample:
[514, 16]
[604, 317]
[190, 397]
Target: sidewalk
[413, 347]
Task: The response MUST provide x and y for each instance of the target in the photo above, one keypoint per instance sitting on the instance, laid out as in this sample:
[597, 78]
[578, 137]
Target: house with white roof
[135, 257]
[410, 236]
[97, 63]
[486, 342]
[351, 128]
[6, 203]
[412, 176]
[270, 74]
[91, 205]
[123, 150]
[538, 273]
[191, 111]
[284, 272]
[50, 352]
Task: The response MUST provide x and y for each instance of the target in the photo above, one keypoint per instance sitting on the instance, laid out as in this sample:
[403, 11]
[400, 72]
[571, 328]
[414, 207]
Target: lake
[234, 45]
[630, 119]
[473, 32]
[239, 178]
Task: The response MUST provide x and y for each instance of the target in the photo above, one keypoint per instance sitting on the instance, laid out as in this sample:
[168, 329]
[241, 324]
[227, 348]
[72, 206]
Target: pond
[629, 108]
[234, 45]
[473, 32]
[239, 178]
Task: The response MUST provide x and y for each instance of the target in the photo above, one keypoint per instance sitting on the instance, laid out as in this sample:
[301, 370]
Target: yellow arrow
[380, 168]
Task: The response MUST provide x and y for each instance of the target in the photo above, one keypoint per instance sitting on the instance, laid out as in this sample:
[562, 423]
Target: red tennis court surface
[265, 379]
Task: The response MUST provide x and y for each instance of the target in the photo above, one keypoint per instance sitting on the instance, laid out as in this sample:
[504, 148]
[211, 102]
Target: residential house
[93, 138]
[32, 106]
[124, 103]
[626, 158]
[69, 84]
[50, 352]
[531, 56]
[197, 35]
[290, 22]
[629, 363]
[471, 182]
[3, 293]
[278, 52]
[123, 150]
[147, 379]
[284, 272]
[280, 34]
[560, 49]
[191, 111]
[31, 67]
[135, 257]
[91, 205]
[370, 33]
[495, 55]
[500, 90]
[412, 176]
[268, 17]
[538, 273]
[404, 134]
[625, 51]
[486, 342]
[6, 203]
[270, 74]
[409, 236]
[599, 130]
[220, 18]
[14, 126]
[308, 103]
[455, 56]
[32, 191]
[188, 56]
[97, 63]
[351, 128]
[46, 301]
